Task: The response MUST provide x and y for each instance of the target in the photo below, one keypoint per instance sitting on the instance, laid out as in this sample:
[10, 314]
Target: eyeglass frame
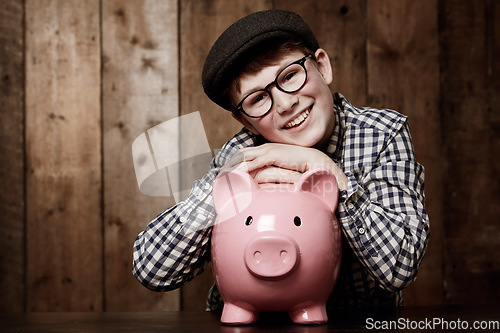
[301, 62]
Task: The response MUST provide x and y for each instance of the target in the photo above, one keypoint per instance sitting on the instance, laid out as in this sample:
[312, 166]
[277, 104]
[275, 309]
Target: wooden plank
[12, 249]
[470, 89]
[140, 90]
[63, 156]
[339, 26]
[201, 23]
[403, 74]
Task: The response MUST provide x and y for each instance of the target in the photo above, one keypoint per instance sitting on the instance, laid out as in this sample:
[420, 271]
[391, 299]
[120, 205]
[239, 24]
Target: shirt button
[207, 186]
[350, 205]
[361, 231]
[183, 219]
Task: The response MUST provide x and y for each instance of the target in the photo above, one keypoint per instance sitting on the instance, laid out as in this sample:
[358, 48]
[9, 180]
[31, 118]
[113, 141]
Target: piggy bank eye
[249, 221]
[297, 221]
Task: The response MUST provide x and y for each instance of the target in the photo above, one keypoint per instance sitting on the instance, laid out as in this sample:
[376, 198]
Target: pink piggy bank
[275, 247]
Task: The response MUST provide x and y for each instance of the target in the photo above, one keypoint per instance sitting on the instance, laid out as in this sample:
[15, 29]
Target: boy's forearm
[171, 252]
[384, 217]
[389, 242]
[173, 249]
[284, 163]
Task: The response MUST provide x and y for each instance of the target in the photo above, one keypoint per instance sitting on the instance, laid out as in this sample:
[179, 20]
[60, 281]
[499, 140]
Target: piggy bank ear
[322, 183]
[233, 191]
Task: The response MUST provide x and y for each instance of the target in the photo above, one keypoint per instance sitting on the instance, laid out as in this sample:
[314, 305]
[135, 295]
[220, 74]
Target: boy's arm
[174, 248]
[383, 214]
[284, 163]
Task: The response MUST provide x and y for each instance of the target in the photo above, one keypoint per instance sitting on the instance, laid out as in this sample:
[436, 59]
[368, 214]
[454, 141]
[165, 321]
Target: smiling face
[304, 118]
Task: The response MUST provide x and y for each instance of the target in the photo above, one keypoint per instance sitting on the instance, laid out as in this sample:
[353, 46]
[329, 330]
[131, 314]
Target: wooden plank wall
[470, 104]
[403, 74]
[63, 156]
[12, 206]
[80, 80]
[139, 91]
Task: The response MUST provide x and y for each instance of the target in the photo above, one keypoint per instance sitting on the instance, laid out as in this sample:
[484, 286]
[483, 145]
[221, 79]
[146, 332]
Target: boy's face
[303, 118]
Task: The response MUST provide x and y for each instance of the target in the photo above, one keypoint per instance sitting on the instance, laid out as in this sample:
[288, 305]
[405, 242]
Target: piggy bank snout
[271, 256]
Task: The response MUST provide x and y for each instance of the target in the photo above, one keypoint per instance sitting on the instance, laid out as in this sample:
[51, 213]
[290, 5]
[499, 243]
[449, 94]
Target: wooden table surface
[412, 319]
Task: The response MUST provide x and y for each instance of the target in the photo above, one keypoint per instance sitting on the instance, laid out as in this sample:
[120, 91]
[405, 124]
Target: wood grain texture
[12, 249]
[140, 90]
[403, 74]
[470, 90]
[63, 156]
[80, 80]
[201, 23]
[340, 27]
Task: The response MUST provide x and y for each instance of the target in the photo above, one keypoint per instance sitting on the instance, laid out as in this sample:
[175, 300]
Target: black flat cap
[246, 35]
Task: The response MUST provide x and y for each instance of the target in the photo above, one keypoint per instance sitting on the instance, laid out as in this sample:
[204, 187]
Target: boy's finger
[276, 175]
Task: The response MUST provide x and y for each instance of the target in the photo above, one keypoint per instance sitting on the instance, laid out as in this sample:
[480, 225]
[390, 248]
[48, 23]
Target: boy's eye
[289, 76]
[257, 98]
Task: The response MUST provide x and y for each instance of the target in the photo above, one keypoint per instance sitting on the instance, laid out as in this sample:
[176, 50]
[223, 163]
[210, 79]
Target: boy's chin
[311, 136]
[303, 141]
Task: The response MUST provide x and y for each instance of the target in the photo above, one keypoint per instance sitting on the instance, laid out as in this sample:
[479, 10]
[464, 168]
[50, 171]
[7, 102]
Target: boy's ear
[240, 118]
[324, 65]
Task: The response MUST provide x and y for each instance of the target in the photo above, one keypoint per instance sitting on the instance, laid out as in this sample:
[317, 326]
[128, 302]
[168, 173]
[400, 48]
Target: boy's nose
[284, 102]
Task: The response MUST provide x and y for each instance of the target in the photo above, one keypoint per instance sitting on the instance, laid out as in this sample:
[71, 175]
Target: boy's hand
[283, 163]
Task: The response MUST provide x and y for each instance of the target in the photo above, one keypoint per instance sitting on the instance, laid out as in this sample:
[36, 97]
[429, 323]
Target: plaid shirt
[382, 214]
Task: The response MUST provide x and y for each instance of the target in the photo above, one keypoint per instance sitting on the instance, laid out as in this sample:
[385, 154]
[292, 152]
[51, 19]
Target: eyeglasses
[289, 80]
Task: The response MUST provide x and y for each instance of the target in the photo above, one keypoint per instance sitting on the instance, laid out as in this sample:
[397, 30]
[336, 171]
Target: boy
[269, 71]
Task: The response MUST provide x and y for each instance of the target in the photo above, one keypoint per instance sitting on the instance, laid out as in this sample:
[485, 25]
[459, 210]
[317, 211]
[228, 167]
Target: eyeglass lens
[289, 80]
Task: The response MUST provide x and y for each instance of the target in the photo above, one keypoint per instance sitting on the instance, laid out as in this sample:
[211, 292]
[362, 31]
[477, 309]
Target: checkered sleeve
[175, 246]
[383, 214]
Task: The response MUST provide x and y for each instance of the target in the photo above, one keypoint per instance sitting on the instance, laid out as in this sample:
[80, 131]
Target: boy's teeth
[298, 120]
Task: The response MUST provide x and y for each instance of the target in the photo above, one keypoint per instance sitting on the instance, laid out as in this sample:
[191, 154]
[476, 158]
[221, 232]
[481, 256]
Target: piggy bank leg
[310, 314]
[235, 315]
